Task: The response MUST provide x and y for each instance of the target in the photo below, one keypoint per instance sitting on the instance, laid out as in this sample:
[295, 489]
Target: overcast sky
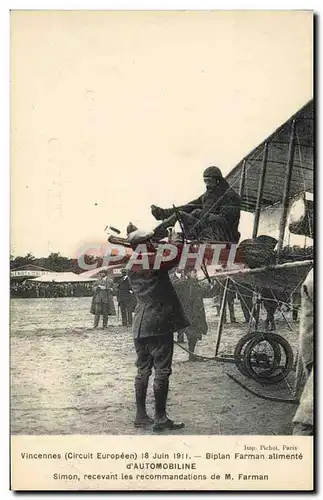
[114, 111]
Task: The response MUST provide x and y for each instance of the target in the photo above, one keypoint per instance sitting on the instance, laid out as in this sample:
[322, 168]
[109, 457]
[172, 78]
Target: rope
[190, 352]
[261, 396]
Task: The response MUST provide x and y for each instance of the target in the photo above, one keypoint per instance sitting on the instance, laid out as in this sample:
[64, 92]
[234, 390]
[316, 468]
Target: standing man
[102, 302]
[245, 296]
[126, 299]
[218, 290]
[215, 215]
[229, 301]
[303, 421]
[158, 315]
[191, 295]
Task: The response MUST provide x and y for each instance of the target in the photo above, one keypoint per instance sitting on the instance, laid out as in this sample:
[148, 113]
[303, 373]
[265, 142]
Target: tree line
[54, 262]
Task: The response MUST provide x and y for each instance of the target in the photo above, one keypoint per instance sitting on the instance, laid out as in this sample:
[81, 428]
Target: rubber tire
[239, 357]
[273, 339]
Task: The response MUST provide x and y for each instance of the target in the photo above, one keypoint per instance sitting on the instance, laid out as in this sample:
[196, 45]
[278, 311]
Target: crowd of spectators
[29, 289]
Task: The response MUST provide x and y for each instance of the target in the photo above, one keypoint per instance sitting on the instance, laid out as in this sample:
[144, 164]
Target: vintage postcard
[162, 246]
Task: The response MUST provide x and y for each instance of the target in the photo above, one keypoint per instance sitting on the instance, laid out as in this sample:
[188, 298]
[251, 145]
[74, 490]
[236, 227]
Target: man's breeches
[154, 352]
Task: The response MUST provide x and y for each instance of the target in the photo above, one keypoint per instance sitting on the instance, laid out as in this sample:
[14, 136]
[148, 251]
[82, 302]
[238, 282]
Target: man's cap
[213, 172]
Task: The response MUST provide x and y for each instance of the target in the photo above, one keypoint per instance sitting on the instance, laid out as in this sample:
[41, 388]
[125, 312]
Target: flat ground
[67, 378]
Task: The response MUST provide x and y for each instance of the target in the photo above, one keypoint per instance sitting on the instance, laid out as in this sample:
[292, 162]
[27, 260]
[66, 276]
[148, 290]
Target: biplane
[276, 175]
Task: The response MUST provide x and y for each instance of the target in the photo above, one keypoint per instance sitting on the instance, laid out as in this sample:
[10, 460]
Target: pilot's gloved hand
[139, 236]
